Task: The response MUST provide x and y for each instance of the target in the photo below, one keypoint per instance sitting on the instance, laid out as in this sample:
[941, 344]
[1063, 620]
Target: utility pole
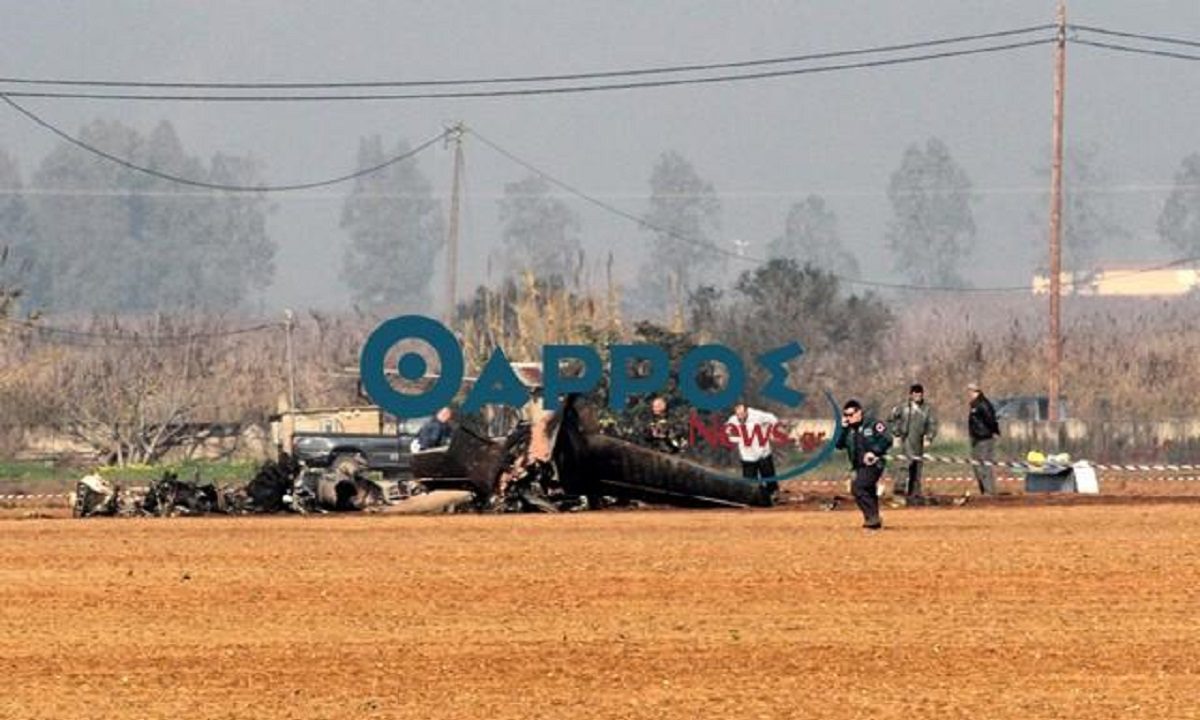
[1056, 165]
[453, 135]
[289, 322]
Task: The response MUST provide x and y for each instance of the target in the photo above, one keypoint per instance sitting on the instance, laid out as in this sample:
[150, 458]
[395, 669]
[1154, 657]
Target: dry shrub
[1122, 358]
[524, 316]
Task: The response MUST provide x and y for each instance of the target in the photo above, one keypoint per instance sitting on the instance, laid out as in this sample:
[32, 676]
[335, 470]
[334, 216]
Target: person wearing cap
[866, 442]
[914, 423]
[983, 430]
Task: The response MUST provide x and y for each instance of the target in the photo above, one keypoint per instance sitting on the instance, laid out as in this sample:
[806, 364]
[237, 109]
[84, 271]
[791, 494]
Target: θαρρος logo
[498, 384]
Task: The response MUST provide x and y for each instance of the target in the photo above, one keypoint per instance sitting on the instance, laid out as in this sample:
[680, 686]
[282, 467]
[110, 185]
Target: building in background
[1127, 282]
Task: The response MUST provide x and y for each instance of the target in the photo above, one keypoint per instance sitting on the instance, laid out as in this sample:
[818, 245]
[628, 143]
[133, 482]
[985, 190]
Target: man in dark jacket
[983, 429]
[866, 442]
[436, 431]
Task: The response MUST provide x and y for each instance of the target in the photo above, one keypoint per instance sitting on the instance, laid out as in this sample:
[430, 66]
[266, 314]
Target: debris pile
[95, 496]
[555, 462]
[170, 496]
[560, 461]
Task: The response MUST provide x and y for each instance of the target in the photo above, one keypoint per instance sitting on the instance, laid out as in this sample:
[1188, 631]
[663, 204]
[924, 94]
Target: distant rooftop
[1126, 281]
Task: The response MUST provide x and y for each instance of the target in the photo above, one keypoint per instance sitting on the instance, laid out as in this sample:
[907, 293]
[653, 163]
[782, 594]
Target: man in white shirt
[754, 441]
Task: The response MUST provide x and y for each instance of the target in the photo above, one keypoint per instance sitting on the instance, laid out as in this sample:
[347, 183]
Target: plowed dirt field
[975, 612]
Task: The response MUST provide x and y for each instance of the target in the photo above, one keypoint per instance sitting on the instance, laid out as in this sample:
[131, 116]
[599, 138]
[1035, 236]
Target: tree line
[92, 235]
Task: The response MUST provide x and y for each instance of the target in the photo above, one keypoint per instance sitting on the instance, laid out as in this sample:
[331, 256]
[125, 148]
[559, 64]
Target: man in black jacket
[983, 429]
[866, 442]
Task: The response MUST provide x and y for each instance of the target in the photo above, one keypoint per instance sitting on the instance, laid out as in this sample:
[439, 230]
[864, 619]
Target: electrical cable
[659, 70]
[519, 92]
[642, 222]
[1136, 36]
[216, 186]
[1135, 50]
[559, 90]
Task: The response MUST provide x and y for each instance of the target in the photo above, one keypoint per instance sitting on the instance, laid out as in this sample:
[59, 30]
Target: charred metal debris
[558, 461]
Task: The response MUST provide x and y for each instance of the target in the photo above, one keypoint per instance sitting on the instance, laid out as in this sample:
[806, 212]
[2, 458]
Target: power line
[659, 70]
[189, 194]
[1136, 36]
[209, 185]
[712, 247]
[1136, 50]
[519, 92]
[749, 194]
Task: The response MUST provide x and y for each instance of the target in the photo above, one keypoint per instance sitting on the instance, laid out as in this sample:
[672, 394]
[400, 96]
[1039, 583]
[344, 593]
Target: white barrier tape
[1012, 465]
[1046, 467]
[1146, 468]
[11, 497]
[971, 480]
[924, 481]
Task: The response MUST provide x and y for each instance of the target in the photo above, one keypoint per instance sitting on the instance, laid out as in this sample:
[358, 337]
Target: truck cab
[1028, 407]
[334, 437]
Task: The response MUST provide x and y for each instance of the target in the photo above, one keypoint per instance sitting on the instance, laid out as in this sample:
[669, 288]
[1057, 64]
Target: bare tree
[1091, 226]
[685, 218]
[395, 232]
[932, 230]
[810, 237]
[541, 232]
[132, 397]
[1179, 221]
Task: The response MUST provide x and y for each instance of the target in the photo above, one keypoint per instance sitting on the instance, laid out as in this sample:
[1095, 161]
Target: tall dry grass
[1134, 359]
[1124, 359]
[524, 316]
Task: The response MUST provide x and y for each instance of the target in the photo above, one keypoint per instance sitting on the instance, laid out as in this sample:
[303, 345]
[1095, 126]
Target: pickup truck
[390, 454]
[1028, 407]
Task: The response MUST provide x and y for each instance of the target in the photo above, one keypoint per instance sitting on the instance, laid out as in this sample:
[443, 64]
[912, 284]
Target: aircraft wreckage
[556, 461]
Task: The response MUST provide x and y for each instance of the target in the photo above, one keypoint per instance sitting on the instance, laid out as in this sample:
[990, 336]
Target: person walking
[754, 444]
[914, 423]
[866, 442]
[983, 429]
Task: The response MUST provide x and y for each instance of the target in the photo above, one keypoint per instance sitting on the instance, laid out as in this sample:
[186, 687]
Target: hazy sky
[764, 144]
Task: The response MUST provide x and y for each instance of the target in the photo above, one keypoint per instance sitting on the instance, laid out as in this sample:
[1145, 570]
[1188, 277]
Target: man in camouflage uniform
[913, 423]
[660, 433]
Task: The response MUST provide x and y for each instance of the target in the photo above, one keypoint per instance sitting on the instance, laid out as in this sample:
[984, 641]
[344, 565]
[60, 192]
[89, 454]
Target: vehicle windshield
[410, 426]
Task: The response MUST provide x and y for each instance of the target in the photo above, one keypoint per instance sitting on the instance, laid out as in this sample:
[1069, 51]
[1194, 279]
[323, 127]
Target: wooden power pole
[289, 324]
[1056, 166]
[454, 135]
